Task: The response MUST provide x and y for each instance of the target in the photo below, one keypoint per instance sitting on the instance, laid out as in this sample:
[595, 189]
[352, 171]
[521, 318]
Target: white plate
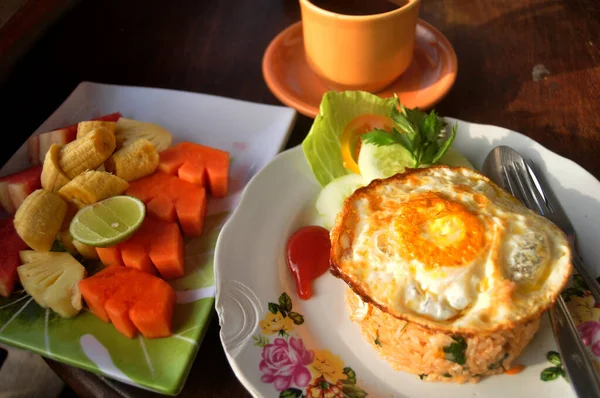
[252, 133]
[251, 271]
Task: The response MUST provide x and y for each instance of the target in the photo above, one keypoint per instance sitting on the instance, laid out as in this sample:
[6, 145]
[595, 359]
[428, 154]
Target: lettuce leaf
[321, 146]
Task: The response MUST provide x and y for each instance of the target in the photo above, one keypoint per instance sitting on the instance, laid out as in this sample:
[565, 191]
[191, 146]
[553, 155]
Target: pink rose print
[292, 369]
[284, 364]
[590, 334]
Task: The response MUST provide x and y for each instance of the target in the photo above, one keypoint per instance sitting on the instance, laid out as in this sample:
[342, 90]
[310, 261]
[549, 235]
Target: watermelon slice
[10, 246]
[14, 188]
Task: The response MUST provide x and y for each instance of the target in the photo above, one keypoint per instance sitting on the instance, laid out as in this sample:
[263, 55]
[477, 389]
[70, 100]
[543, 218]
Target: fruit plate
[280, 345]
[253, 134]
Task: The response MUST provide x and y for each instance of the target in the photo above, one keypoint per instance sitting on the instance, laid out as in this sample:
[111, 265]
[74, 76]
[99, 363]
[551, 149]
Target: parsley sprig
[420, 133]
[456, 351]
[553, 372]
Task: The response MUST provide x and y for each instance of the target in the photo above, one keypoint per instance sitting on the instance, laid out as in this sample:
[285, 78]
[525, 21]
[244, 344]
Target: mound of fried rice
[418, 350]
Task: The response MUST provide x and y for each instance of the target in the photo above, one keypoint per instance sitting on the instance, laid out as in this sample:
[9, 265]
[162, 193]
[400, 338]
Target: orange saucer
[426, 81]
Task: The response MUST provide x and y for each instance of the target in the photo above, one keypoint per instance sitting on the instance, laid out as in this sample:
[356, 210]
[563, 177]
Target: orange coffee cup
[359, 52]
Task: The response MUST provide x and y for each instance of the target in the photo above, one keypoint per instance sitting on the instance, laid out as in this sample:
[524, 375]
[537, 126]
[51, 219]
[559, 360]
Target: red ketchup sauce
[308, 257]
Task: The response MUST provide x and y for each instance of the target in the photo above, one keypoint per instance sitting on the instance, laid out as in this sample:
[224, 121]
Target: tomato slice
[350, 139]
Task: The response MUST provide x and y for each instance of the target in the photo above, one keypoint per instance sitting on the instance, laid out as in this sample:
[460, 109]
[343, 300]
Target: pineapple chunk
[28, 256]
[51, 279]
[129, 130]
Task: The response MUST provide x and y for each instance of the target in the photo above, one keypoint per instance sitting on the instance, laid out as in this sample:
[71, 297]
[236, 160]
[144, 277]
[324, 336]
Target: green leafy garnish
[416, 130]
[376, 340]
[553, 372]
[422, 376]
[455, 352]
[419, 133]
[554, 358]
[498, 364]
[322, 145]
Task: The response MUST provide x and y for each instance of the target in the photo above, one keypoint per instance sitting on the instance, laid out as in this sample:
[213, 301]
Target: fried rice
[437, 355]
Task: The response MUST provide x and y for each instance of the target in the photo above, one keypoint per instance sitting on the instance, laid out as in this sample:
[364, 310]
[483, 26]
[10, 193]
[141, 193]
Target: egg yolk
[438, 232]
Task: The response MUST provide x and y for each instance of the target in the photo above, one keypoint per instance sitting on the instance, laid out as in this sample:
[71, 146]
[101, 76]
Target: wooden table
[532, 66]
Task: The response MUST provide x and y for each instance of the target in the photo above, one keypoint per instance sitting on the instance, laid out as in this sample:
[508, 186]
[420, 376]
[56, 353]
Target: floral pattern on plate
[292, 368]
[585, 312]
[586, 315]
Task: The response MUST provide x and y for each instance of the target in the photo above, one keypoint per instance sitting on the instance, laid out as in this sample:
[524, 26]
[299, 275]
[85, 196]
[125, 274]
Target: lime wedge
[108, 222]
[383, 161]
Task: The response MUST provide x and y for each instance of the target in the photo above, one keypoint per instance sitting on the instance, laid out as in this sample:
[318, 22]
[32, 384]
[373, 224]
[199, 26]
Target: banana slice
[87, 152]
[53, 178]
[92, 186]
[83, 128]
[39, 219]
[134, 161]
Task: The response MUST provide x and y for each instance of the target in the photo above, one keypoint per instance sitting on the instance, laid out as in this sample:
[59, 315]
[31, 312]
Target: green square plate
[252, 133]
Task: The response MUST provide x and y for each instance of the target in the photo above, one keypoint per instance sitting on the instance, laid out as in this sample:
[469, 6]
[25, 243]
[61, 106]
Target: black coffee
[359, 7]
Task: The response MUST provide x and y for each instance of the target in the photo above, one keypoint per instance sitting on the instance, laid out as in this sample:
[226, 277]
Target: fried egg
[448, 249]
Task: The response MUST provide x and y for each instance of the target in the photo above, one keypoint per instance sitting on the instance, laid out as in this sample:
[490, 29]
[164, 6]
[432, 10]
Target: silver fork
[578, 365]
[537, 195]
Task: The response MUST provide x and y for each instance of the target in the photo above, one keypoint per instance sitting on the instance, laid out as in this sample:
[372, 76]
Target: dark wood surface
[216, 47]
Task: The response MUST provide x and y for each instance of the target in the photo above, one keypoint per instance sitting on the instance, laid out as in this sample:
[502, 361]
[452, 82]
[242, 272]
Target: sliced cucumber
[383, 161]
[455, 159]
[387, 160]
[332, 196]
